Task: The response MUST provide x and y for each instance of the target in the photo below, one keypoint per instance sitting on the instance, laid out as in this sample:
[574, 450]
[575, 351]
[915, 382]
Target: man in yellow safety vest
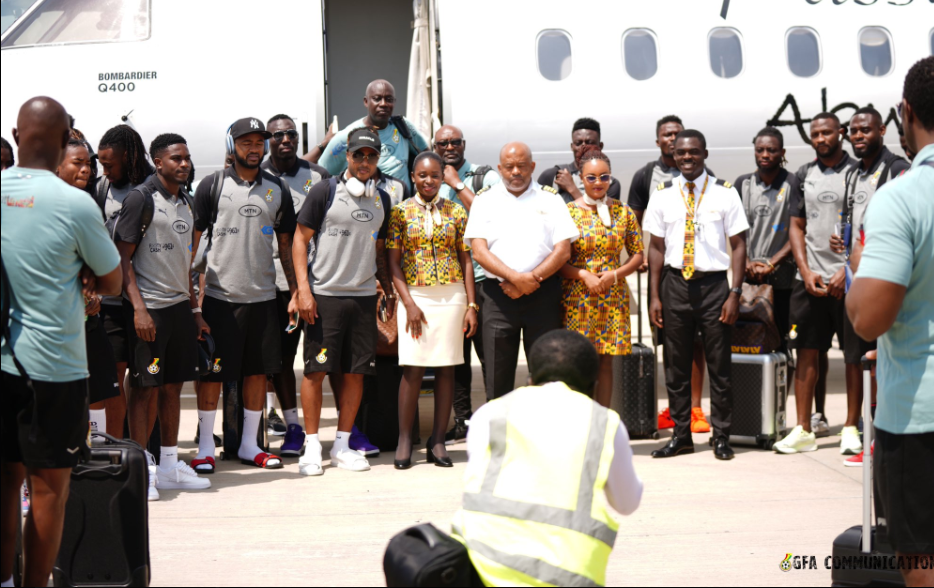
[539, 459]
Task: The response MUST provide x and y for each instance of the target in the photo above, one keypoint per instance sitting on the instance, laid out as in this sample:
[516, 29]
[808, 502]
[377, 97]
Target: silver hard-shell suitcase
[760, 394]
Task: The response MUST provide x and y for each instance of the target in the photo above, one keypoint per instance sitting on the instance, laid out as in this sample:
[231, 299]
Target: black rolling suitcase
[233, 422]
[378, 417]
[106, 536]
[634, 385]
[865, 543]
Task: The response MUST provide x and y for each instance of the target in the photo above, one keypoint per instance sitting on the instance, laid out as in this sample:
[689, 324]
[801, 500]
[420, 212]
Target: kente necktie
[687, 267]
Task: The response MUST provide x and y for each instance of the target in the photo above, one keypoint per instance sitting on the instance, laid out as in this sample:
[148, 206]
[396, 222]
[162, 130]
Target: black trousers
[507, 323]
[689, 307]
[463, 374]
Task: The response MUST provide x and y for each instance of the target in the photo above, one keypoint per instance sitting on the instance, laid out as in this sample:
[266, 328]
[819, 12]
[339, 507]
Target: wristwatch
[474, 306]
[323, 147]
[460, 187]
[737, 291]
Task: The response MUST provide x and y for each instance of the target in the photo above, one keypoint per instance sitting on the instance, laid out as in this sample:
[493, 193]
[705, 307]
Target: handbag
[387, 336]
[424, 556]
[756, 331]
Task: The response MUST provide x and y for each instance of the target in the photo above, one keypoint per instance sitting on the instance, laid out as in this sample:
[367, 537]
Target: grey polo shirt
[301, 178]
[819, 200]
[863, 183]
[344, 260]
[240, 266]
[163, 255]
[768, 210]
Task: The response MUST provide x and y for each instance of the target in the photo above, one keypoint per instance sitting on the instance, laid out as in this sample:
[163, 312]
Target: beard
[244, 163]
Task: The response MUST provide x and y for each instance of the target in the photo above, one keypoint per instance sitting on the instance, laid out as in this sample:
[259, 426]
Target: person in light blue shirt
[891, 298]
[462, 181]
[50, 232]
[380, 101]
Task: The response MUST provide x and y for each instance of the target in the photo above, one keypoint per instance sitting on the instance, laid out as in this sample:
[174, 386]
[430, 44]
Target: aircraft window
[66, 22]
[803, 48]
[554, 55]
[640, 53]
[13, 10]
[726, 52]
[875, 51]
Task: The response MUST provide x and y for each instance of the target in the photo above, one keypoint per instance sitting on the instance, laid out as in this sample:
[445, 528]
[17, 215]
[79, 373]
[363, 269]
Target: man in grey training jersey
[347, 218]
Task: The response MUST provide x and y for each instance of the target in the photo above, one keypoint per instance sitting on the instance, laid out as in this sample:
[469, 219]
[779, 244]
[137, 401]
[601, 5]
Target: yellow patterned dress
[602, 319]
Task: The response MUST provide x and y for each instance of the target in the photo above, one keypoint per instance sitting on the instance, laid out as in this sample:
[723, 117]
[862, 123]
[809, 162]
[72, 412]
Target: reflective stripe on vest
[579, 520]
[534, 568]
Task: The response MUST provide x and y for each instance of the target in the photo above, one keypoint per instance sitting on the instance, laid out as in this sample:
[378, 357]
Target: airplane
[502, 71]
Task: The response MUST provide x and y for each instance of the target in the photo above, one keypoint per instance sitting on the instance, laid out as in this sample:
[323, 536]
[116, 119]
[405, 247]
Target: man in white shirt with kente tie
[690, 219]
[521, 235]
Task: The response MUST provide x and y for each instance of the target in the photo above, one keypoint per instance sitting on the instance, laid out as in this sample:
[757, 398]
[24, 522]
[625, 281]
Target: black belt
[697, 275]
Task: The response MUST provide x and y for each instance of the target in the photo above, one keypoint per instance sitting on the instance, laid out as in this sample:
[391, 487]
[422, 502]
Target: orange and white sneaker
[699, 422]
[664, 420]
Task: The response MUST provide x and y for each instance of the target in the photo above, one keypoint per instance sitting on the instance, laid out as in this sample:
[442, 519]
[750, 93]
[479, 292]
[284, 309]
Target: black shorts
[58, 438]
[289, 340]
[903, 467]
[173, 357]
[116, 328]
[814, 321]
[854, 347]
[246, 339]
[343, 339]
[102, 367]
[782, 308]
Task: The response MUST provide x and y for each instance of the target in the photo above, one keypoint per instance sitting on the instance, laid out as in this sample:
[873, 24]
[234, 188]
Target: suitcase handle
[427, 533]
[106, 462]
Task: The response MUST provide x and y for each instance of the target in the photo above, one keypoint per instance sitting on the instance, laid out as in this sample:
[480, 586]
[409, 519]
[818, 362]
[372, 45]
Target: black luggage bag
[106, 536]
[423, 556]
[233, 422]
[851, 545]
[378, 417]
[634, 396]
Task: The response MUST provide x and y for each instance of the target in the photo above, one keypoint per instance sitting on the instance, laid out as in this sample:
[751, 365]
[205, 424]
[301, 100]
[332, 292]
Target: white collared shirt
[720, 215]
[520, 231]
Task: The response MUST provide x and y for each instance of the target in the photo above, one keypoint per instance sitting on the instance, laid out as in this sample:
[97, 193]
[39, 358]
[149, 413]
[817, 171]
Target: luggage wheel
[655, 435]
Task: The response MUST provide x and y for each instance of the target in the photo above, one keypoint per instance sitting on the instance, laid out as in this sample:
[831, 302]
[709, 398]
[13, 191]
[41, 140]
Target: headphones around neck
[232, 149]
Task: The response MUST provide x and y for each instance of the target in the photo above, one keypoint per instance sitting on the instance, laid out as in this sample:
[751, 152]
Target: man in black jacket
[566, 179]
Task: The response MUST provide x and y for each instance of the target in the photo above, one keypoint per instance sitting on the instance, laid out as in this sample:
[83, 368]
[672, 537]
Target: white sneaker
[850, 442]
[181, 477]
[798, 441]
[819, 426]
[350, 461]
[310, 463]
[153, 494]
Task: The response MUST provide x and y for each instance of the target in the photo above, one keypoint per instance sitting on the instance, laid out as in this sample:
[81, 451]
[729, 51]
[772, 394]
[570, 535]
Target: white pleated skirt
[442, 341]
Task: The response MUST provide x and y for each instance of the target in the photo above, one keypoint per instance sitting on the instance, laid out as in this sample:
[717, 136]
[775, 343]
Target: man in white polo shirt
[690, 219]
[521, 235]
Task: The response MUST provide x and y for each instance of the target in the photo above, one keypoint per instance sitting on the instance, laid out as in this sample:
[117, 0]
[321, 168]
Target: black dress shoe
[441, 462]
[675, 447]
[403, 464]
[722, 449]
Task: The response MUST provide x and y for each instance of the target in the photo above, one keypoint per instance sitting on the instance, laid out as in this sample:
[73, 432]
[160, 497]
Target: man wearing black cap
[251, 211]
[347, 218]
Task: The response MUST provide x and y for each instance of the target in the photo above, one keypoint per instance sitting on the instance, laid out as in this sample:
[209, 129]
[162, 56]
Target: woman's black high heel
[404, 464]
[441, 462]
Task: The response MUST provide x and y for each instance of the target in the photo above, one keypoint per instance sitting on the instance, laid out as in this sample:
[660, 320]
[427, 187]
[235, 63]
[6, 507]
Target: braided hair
[129, 142]
[592, 152]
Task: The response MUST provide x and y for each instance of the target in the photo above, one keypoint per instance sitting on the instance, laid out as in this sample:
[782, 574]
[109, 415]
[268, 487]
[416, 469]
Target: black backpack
[854, 172]
[478, 175]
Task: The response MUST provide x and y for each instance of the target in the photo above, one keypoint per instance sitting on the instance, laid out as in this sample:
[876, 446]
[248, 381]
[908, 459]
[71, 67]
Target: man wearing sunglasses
[462, 182]
[300, 175]
[347, 218]
[566, 179]
[399, 137]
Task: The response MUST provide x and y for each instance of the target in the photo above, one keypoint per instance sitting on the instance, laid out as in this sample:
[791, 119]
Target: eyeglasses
[279, 135]
[451, 143]
[592, 179]
[360, 157]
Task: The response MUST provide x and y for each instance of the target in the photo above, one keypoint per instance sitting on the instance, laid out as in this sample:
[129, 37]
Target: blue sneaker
[361, 444]
[294, 442]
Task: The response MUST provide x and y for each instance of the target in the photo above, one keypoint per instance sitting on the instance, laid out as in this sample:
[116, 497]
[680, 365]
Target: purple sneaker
[294, 442]
[361, 444]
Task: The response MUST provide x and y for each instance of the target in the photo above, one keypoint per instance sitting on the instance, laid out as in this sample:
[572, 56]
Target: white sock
[341, 442]
[206, 431]
[168, 457]
[270, 400]
[291, 417]
[313, 447]
[99, 421]
[248, 447]
[8, 583]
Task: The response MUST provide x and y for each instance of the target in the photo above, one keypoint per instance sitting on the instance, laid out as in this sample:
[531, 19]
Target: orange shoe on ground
[664, 420]
[699, 422]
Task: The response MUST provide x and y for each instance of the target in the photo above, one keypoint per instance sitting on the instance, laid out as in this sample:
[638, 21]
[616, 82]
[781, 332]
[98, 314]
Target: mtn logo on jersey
[154, 367]
[217, 366]
[268, 196]
[322, 357]
[308, 186]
